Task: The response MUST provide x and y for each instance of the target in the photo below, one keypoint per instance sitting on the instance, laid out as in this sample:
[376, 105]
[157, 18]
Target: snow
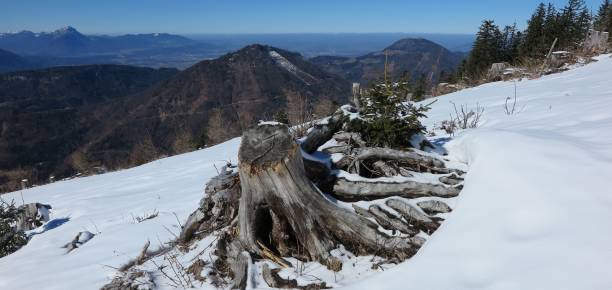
[290, 67]
[534, 213]
[105, 205]
[263, 123]
[536, 202]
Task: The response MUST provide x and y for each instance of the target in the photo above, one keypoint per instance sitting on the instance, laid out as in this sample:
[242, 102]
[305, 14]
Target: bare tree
[299, 111]
[465, 117]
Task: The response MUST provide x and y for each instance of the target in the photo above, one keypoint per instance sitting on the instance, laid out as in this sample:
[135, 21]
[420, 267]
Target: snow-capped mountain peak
[66, 31]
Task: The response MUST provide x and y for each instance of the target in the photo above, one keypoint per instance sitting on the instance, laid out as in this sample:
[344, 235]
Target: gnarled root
[348, 190]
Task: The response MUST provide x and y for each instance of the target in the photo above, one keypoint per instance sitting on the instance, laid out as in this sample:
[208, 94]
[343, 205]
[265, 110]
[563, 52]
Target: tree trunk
[278, 197]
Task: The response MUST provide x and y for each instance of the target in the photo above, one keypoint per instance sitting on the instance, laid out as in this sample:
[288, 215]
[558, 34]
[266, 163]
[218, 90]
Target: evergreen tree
[203, 139]
[512, 39]
[386, 119]
[447, 77]
[603, 17]
[535, 41]
[281, 117]
[487, 49]
[551, 28]
[574, 23]
[609, 29]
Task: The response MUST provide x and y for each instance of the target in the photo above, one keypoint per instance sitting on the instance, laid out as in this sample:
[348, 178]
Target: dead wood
[452, 179]
[416, 160]
[385, 219]
[321, 133]
[217, 209]
[432, 207]
[383, 169]
[348, 190]
[413, 216]
[274, 183]
[390, 222]
[351, 138]
[240, 270]
[340, 148]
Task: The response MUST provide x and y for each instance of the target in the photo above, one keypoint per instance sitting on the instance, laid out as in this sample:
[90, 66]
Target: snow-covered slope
[536, 209]
[535, 212]
[107, 205]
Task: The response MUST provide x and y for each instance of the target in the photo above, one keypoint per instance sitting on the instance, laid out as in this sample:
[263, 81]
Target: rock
[559, 58]
[446, 88]
[497, 69]
[434, 207]
[32, 215]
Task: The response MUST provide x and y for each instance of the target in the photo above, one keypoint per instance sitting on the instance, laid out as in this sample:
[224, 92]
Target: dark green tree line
[569, 25]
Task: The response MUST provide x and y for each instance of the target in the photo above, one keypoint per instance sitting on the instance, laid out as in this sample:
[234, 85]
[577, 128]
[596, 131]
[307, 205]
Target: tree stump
[281, 210]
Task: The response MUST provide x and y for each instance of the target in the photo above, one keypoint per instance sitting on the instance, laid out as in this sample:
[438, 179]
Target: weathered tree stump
[281, 210]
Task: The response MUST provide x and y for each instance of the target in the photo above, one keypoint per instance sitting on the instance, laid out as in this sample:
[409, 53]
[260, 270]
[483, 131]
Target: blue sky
[263, 16]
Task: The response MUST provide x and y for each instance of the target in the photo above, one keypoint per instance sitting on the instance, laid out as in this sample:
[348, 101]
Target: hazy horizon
[265, 17]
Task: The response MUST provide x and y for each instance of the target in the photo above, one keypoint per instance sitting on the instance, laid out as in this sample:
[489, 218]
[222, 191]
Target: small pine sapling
[387, 119]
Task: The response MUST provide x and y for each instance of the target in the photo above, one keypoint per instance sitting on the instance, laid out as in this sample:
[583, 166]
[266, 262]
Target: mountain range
[409, 56]
[13, 62]
[67, 46]
[78, 119]
[68, 41]
[60, 121]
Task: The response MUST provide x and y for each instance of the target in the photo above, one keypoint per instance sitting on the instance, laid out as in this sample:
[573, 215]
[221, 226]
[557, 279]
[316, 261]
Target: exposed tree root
[348, 190]
[273, 206]
[386, 220]
[413, 216]
[410, 158]
[274, 183]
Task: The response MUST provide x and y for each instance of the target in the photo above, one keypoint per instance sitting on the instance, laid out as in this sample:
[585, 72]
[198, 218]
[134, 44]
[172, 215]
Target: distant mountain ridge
[12, 62]
[413, 56]
[70, 42]
[67, 46]
[65, 120]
